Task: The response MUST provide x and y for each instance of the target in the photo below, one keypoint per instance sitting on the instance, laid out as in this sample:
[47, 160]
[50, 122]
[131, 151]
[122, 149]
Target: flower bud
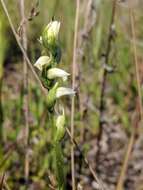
[41, 62]
[51, 99]
[50, 34]
[55, 73]
[62, 91]
[60, 127]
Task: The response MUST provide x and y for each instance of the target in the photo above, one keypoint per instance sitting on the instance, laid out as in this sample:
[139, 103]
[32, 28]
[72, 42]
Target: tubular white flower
[62, 91]
[43, 60]
[56, 72]
[50, 35]
[53, 29]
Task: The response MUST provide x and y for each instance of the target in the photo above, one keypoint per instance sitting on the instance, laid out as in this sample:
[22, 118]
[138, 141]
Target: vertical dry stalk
[132, 21]
[104, 80]
[74, 66]
[25, 85]
[1, 111]
[6, 185]
[84, 37]
[2, 181]
[134, 130]
[126, 161]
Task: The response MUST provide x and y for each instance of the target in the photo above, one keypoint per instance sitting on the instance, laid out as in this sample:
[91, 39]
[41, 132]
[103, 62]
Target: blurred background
[104, 123]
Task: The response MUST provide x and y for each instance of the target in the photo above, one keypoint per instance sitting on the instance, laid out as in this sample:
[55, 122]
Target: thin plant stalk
[104, 79]
[83, 42]
[25, 86]
[134, 130]
[6, 185]
[74, 66]
[2, 181]
[1, 110]
[126, 161]
[132, 21]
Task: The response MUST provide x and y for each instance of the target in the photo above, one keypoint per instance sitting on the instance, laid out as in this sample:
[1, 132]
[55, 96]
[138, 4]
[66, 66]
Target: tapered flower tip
[40, 40]
[57, 73]
[42, 61]
[53, 29]
[60, 127]
[62, 91]
[50, 34]
[60, 122]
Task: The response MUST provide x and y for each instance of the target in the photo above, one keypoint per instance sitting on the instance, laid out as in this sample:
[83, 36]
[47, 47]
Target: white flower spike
[43, 60]
[62, 91]
[57, 73]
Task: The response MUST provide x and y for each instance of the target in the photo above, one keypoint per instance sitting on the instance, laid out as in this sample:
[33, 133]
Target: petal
[56, 72]
[43, 60]
[62, 91]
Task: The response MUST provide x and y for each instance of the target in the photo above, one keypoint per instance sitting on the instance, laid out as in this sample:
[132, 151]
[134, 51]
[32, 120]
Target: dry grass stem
[25, 86]
[74, 67]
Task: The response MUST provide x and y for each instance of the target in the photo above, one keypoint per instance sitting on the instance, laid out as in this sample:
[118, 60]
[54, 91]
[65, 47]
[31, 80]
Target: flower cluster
[50, 73]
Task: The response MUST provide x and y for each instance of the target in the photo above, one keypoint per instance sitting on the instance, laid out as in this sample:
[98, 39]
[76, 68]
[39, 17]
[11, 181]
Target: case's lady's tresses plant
[50, 75]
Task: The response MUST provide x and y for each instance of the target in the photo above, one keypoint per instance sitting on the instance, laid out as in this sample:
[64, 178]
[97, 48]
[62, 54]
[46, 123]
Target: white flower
[43, 60]
[53, 29]
[62, 91]
[55, 72]
[50, 34]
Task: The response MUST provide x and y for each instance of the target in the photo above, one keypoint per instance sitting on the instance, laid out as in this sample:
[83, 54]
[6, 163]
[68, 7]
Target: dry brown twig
[2, 181]
[6, 184]
[33, 13]
[84, 38]
[25, 86]
[74, 67]
[104, 79]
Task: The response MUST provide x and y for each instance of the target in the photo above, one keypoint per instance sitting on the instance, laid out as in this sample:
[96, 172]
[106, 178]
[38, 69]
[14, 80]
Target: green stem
[59, 166]
[57, 156]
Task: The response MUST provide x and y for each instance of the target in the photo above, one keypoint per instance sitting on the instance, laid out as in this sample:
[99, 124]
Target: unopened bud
[60, 127]
[50, 34]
